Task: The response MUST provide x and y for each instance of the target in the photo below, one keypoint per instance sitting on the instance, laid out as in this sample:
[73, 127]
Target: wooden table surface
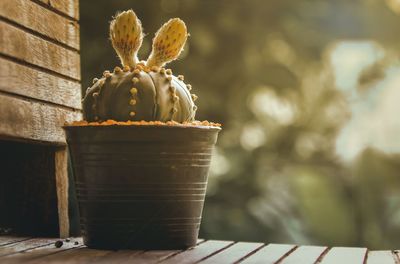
[43, 250]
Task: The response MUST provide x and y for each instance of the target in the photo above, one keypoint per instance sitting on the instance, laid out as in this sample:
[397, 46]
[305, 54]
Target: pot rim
[164, 126]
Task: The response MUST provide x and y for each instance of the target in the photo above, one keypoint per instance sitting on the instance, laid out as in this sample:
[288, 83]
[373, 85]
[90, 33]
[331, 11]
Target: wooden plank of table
[39, 252]
[120, 257]
[37, 18]
[270, 254]
[34, 50]
[381, 257]
[304, 255]
[152, 256]
[155, 256]
[7, 240]
[25, 245]
[199, 252]
[77, 255]
[234, 253]
[25, 81]
[67, 7]
[33, 121]
[345, 255]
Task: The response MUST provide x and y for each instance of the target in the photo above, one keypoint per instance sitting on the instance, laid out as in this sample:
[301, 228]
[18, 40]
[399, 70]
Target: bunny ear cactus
[142, 90]
[168, 43]
[126, 37]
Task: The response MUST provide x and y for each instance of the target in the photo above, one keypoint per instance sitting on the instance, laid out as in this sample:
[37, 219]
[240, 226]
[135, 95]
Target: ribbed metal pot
[140, 187]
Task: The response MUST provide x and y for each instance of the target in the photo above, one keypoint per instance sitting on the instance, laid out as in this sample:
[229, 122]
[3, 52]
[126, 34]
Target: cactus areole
[142, 90]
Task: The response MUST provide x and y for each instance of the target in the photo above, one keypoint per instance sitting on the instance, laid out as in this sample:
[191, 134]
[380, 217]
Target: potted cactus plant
[140, 158]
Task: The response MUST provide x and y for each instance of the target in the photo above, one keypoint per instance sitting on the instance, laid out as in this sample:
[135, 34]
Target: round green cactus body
[139, 95]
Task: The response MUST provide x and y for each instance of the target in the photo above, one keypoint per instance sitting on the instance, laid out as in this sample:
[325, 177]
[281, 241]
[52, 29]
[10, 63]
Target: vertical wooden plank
[199, 252]
[345, 255]
[270, 254]
[381, 257]
[39, 54]
[304, 255]
[233, 253]
[61, 174]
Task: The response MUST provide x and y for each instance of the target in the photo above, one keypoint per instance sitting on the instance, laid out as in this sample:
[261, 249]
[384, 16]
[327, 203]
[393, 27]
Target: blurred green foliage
[306, 92]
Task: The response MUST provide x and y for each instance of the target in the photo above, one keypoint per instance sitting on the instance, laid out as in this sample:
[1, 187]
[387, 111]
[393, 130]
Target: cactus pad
[168, 42]
[126, 37]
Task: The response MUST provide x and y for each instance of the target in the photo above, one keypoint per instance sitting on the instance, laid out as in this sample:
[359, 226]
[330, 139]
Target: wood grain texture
[67, 7]
[37, 18]
[304, 255]
[24, 246]
[121, 257]
[74, 256]
[345, 255]
[270, 254]
[23, 119]
[233, 253]
[43, 251]
[7, 240]
[156, 256]
[199, 252]
[381, 257]
[153, 256]
[61, 173]
[22, 80]
[23, 46]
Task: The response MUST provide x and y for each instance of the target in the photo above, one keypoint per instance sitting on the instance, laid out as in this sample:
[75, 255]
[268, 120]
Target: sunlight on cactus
[126, 36]
[168, 43]
[144, 92]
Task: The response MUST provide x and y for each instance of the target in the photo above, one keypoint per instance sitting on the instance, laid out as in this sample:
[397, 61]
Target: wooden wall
[40, 89]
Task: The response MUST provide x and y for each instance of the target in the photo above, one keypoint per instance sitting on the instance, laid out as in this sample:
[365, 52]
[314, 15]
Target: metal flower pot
[140, 186]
